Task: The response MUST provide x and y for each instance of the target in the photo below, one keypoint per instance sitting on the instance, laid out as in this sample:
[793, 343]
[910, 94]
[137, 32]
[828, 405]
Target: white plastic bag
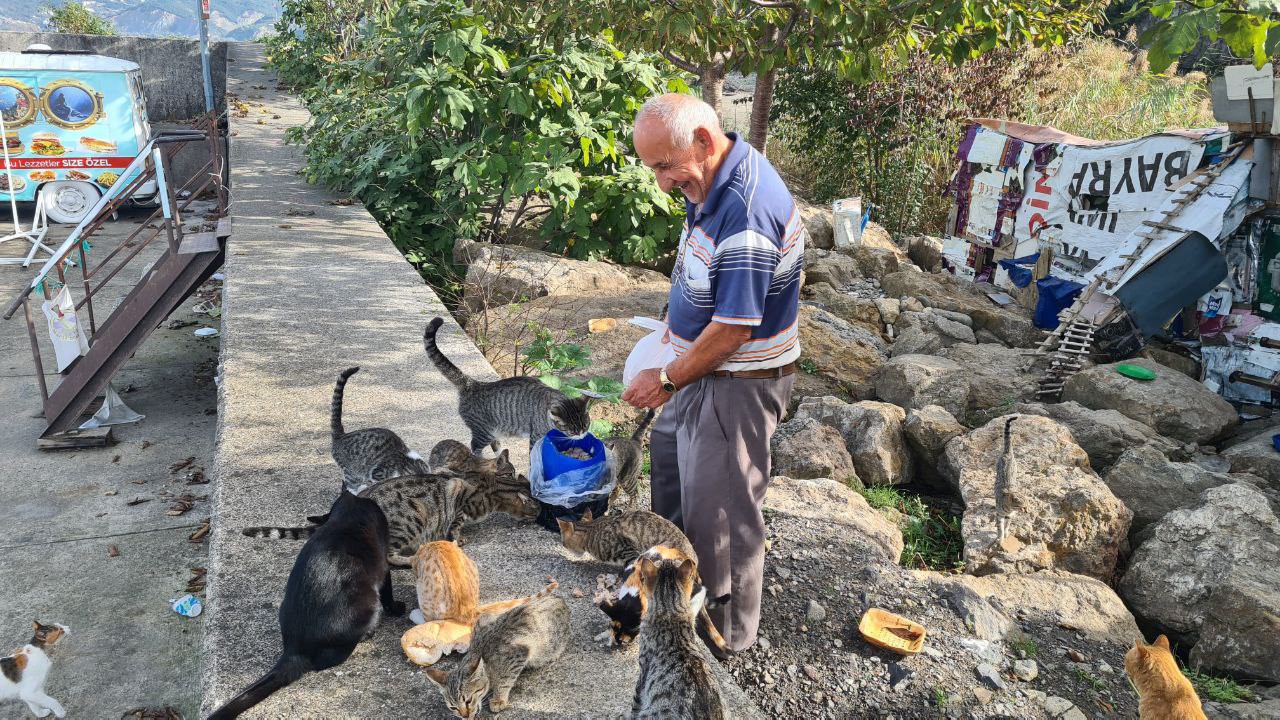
[112, 412]
[653, 351]
[68, 337]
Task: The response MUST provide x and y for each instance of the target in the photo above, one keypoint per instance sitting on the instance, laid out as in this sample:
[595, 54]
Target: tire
[69, 201]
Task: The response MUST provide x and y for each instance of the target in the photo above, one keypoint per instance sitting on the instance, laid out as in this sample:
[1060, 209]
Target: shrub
[445, 130]
[73, 17]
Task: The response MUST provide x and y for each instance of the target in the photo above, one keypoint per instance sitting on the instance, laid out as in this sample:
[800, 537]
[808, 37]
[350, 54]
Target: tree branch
[681, 63]
[774, 4]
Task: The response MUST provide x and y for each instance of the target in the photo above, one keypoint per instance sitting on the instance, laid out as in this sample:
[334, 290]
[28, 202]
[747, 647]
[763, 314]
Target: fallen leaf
[115, 458]
[111, 492]
[138, 501]
[113, 551]
[342, 201]
[284, 227]
[138, 482]
[197, 478]
[147, 443]
[198, 535]
[578, 593]
[181, 464]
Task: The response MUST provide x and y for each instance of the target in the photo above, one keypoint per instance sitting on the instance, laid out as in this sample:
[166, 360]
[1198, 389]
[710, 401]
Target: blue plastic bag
[567, 482]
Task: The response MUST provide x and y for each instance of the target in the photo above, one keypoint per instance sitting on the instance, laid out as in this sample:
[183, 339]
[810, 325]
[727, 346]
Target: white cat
[23, 673]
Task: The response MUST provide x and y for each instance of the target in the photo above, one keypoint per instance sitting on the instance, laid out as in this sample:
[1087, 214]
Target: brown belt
[774, 373]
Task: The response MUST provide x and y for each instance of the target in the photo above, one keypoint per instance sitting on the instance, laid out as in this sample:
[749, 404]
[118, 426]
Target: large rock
[875, 237]
[805, 448]
[817, 220]
[828, 266]
[1152, 485]
[999, 377]
[1209, 576]
[1172, 404]
[1076, 602]
[914, 381]
[1104, 434]
[1011, 326]
[845, 306]
[1257, 456]
[1268, 709]
[1060, 514]
[928, 431]
[840, 349]
[910, 282]
[500, 274]
[925, 252]
[872, 433]
[836, 507]
[916, 340]
[927, 332]
[875, 262]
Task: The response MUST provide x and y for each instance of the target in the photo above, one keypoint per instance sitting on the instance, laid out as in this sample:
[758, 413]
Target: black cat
[337, 590]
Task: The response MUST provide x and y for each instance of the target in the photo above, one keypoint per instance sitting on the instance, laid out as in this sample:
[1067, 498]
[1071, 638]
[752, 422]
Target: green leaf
[586, 150]
[600, 428]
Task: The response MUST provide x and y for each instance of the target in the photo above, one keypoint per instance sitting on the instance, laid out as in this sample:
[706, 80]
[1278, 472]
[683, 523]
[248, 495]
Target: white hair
[681, 115]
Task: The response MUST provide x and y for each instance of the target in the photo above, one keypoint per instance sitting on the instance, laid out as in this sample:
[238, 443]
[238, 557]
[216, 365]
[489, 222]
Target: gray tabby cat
[435, 506]
[621, 538]
[675, 679]
[1004, 467]
[525, 638]
[626, 456]
[369, 455]
[453, 455]
[523, 406]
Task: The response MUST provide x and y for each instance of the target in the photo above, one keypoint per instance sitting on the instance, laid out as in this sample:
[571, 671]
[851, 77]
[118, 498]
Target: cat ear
[648, 572]
[503, 456]
[438, 676]
[1162, 642]
[687, 570]
[566, 527]
[35, 624]
[586, 516]
[476, 665]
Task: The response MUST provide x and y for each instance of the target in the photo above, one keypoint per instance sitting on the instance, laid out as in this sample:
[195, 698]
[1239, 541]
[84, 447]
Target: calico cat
[1164, 693]
[527, 637]
[1004, 469]
[619, 539]
[675, 679]
[422, 508]
[23, 673]
[337, 591]
[626, 456]
[523, 406]
[448, 586]
[626, 608]
[369, 455]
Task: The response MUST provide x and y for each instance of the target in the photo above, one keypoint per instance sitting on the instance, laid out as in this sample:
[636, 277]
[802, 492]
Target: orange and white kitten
[448, 603]
[1164, 693]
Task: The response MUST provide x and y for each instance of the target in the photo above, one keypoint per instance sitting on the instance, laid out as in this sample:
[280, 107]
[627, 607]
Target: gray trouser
[709, 462]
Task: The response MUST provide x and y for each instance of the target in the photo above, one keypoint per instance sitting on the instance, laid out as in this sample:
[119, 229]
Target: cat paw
[396, 609]
[496, 705]
[417, 617]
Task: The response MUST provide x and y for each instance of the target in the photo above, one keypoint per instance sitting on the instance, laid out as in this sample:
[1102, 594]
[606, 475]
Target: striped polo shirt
[739, 262]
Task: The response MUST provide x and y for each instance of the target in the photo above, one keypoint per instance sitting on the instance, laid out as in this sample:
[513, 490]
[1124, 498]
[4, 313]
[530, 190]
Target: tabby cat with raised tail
[369, 455]
[23, 673]
[523, 406]
[1004, 470]
[525, 638]
[1164, 693]
[620, 539]
[338, 589]
[675, 678]
[626, 456]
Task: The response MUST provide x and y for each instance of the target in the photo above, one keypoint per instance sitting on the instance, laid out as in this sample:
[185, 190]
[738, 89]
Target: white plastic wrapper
[653, 351]
[69, 341]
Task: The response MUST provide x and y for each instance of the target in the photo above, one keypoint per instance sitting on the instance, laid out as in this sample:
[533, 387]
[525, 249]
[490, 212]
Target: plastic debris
[187, 606]
[206, 332]
[112, 412]
[219, 276]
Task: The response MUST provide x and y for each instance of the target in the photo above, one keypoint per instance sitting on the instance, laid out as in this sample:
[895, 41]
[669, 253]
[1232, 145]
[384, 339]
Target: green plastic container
[1137, 372]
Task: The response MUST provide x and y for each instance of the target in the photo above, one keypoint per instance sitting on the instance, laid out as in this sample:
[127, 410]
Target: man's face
[688, 169]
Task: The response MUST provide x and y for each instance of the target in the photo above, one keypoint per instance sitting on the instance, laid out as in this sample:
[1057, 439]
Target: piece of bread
[425, 644]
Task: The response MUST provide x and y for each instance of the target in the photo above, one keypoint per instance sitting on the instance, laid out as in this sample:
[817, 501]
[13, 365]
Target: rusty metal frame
[210, 177]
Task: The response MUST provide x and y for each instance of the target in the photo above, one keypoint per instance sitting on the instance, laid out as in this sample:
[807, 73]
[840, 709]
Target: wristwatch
[667, 385]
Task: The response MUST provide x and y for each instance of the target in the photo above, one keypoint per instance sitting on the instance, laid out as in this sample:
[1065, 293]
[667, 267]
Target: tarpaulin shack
[1019, 189]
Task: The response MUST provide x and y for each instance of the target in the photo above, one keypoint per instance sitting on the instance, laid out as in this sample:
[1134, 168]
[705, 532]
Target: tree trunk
[712, 78]
[758, 134]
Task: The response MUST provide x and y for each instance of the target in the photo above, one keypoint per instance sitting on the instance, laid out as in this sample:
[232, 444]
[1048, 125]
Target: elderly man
[732, 317]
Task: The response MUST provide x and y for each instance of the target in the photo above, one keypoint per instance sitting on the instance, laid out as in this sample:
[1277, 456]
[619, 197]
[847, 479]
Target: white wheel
[68, 201]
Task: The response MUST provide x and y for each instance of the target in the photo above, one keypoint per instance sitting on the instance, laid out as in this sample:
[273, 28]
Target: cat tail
[280, 533]
[711, 637]
[497, 608]
[442, 363]
[286, 671]
[335, 408]
[644, 424]
[1008, 433]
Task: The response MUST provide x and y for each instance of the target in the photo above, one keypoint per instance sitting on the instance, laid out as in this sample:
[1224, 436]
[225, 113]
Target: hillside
[229, 19]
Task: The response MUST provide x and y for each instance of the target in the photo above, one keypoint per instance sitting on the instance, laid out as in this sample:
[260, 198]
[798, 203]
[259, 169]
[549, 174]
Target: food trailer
[72, 123]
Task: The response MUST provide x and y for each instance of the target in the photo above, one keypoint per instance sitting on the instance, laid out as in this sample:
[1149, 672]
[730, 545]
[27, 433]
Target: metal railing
[152, 163]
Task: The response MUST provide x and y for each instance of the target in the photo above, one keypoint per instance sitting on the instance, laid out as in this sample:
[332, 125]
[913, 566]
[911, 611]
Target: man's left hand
[645, 391]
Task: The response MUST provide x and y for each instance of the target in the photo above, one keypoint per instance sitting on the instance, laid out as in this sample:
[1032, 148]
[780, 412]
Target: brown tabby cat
[676, 682]
[626, 609]
[620, 539]
[453, 455]
[448, 603]
[1164, 693]
[524, 638]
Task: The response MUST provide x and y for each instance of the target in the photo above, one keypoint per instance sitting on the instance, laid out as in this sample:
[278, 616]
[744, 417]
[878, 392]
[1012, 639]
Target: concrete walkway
[62, 512]
[301, 303]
